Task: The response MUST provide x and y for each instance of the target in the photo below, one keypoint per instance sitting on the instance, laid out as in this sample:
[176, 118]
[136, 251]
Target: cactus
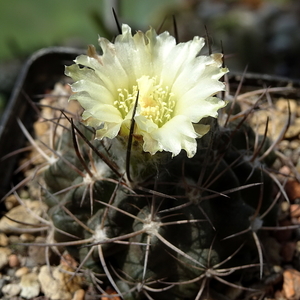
[154, 223]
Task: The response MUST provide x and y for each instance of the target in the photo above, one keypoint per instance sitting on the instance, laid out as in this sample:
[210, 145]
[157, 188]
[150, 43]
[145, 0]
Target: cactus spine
[154, 225]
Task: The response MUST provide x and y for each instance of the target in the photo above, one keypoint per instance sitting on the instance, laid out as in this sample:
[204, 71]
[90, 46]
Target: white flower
[176, 89]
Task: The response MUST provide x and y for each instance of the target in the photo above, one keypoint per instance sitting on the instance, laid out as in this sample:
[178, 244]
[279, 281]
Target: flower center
[155, 102]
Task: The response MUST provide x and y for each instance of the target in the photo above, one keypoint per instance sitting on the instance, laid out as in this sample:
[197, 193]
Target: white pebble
[30, 286]
[11, 289]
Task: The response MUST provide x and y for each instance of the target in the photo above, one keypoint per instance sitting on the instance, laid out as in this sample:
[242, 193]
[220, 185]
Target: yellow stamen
[156, 102]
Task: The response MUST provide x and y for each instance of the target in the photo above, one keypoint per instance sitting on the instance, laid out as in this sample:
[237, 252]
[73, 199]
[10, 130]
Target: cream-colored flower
[176, 89]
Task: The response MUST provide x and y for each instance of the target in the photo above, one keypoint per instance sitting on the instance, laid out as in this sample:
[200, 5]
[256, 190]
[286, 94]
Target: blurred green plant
[30, 25]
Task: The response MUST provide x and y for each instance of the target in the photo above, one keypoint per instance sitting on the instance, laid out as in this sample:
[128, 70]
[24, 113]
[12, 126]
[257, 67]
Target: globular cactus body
[171, 225]
[152, 223]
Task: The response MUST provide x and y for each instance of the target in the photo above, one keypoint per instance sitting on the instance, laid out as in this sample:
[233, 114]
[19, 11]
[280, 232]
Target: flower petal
[144, 124]
[175, 135]
[207, 107]
[174, 88]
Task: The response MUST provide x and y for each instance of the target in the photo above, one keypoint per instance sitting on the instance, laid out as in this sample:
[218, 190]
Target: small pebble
[79, 295]
[67, 260]
[295, 156]
[22, 271]
[294, 144]
[30, 286]
[24, 194]
[10, 202]
[4, 253]
[37, 253]
[282, 104]
[3, 281]
[288, 152]
[285, 170]
[3, 240]
[298, 246]
[13, 261]
[292, 189]
[52, 283]
[109, 291]
[294, 129]
[277, 269]
[13, 239]
[295, 210]
[26, 237]
[291, 284]
[40, 128]
[283, 145]
[15, 243]
[277, 164]
[285, 206]
[11, 289]
[20, 214]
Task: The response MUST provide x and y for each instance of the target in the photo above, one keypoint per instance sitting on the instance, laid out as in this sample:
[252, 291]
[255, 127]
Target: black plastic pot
[41, 71]
[46, 67]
